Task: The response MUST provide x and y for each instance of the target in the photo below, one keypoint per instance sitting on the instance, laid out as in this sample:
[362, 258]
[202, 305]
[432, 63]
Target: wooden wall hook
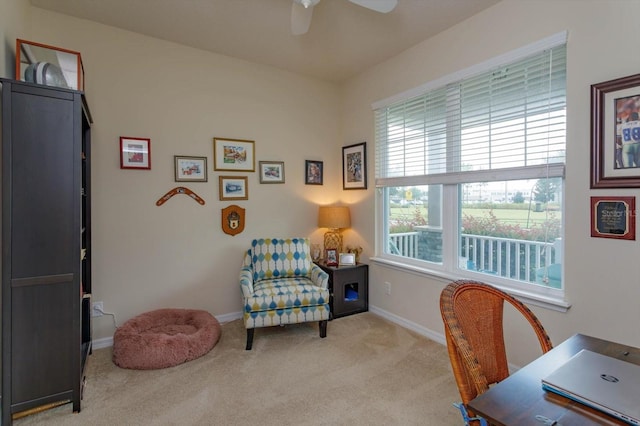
[179, 190]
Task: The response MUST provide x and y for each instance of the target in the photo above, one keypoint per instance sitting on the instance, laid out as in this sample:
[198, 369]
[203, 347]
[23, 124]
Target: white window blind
[507, 122]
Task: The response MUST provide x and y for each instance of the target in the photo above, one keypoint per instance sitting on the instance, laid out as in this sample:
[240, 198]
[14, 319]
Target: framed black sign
[613, 217]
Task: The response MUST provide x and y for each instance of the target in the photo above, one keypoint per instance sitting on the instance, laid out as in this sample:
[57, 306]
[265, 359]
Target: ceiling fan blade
[300, 18]
[382, 6]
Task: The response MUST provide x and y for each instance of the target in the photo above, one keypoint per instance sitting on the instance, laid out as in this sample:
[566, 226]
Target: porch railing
[504, 257]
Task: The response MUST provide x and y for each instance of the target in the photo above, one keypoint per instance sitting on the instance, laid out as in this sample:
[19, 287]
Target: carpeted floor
[368, 371]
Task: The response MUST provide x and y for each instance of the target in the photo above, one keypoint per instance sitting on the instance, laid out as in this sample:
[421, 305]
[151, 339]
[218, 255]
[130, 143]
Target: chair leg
[323, 328]
[469, 421]
[249, 338]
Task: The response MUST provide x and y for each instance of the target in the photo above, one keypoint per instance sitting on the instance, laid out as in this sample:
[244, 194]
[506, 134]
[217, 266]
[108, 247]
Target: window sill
[531, 298]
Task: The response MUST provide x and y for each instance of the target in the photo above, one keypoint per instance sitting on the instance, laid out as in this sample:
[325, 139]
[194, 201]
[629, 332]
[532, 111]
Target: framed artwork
[347, 259]
[135, 153]
[31, 55]
[331, 257]
[613, 217]
[233, 188]
[190, 169]
[271, 171]
[354, 166]
[313, 172]
[233, 155]
[615, 133]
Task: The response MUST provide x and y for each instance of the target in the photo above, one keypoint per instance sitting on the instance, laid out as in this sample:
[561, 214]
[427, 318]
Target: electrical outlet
[387, 287]
[97, 309]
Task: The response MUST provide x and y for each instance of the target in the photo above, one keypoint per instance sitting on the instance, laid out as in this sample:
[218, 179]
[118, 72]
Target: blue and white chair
[281, 285]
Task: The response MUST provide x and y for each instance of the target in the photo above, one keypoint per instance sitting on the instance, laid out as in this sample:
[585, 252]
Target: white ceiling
[344, 39]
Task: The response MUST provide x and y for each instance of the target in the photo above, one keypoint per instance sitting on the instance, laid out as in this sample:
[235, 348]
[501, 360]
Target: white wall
[13, 21]
[176, 255]
[601, 275]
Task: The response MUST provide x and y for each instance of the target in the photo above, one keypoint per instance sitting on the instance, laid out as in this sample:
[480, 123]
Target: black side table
[349, 288]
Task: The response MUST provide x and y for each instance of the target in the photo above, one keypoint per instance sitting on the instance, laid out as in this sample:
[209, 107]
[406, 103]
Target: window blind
[507, 122]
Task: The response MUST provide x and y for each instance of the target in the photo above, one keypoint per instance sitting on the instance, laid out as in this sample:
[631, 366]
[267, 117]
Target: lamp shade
[334, 217]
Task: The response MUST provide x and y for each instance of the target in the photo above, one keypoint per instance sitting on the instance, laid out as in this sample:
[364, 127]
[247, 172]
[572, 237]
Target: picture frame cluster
[615, 155]
[238, 155]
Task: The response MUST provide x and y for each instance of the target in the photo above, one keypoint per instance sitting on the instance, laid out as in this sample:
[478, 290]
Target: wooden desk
[519, 398]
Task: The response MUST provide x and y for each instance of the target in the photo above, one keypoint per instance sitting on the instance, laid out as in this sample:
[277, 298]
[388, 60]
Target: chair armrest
[319, 277]
[246, 281]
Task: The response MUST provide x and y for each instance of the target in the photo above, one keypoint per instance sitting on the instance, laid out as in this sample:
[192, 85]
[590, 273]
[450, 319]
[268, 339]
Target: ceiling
[344, 39]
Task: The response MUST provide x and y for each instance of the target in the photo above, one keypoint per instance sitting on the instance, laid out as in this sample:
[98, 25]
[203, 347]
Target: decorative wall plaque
[613, 217]
[233, 220]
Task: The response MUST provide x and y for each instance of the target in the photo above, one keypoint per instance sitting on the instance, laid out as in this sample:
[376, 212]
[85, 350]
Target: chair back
[472, 313]
[279, 258]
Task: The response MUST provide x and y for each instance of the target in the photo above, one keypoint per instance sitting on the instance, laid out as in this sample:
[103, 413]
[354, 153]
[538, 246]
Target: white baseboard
[423, 331]
[106, 342]
[102, 343]
[229, 317]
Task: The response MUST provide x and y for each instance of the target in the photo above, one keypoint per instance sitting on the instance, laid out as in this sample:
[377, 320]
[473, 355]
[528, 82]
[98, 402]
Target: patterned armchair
[280, 285]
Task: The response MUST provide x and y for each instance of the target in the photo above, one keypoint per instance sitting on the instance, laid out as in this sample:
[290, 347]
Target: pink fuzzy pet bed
[164, 338]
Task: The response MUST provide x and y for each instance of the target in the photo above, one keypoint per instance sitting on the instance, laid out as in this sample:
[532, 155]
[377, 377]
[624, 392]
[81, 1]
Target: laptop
[601, 382]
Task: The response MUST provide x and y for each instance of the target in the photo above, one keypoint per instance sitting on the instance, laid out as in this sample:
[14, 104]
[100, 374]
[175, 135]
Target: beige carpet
[368, 371]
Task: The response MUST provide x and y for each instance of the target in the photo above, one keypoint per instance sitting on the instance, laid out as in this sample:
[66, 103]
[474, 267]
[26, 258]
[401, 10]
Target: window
[470, 172]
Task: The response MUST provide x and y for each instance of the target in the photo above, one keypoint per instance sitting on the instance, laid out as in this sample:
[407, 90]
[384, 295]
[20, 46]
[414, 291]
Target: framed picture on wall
[613, 217]
[135, 153]
[190, 169]
[615, 133]
[233, 188]
[354, 166]
[313, 172]
[271, 171]
[233, 155]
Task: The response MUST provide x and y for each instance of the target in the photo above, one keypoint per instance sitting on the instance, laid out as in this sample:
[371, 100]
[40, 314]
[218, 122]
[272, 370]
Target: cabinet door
[44, 204]
[44, 239]
[44, 344]
[350, 291]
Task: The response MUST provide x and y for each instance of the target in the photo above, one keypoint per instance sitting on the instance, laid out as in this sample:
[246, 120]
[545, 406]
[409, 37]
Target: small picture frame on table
[135, 153]
[347, 259]
[190, 169]
[331, 257]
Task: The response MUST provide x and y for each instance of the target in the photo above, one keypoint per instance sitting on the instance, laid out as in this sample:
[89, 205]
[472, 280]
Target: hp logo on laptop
[609, 378]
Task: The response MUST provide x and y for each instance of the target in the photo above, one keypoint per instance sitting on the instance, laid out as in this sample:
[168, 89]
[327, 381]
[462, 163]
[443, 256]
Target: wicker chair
[472, 313]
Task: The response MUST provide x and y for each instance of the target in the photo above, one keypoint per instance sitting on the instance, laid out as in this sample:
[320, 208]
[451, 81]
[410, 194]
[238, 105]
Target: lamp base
[333, 240]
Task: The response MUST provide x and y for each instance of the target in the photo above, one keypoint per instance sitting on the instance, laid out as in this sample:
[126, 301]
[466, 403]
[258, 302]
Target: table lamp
[335, 218]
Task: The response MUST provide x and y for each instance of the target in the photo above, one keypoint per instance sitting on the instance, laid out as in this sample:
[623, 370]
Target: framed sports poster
[615, 133]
